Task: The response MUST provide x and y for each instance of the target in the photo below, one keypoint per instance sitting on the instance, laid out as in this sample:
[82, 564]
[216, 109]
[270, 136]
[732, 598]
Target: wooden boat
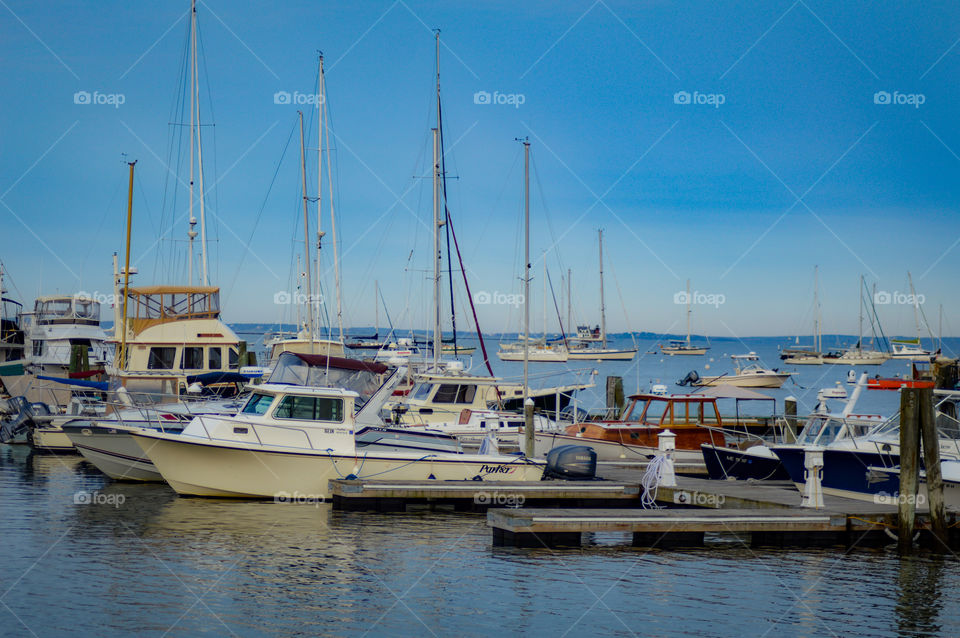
[633, 435]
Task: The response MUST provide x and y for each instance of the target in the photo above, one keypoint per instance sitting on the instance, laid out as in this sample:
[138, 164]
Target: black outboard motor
[691, 378]
[20, 419]
[571, 462]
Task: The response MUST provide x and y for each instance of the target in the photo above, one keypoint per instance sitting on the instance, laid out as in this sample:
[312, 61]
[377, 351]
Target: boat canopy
[152, 305]
[319, 370]
[209, 378]
[74, 310]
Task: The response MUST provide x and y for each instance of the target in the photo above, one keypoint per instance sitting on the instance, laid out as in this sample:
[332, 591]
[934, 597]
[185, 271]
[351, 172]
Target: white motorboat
[751, 375]
[293, 440]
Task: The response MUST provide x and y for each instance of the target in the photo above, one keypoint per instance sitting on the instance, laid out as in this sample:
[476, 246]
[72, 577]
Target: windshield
[258, 404]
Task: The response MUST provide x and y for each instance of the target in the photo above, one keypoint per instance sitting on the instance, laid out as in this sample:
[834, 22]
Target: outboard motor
[22, 417]
[571, 462]
[691, 378]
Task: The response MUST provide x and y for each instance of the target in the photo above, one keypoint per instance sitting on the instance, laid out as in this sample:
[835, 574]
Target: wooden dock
[478, 496]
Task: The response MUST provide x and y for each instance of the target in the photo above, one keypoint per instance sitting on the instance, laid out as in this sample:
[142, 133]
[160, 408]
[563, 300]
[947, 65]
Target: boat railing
[253, 427]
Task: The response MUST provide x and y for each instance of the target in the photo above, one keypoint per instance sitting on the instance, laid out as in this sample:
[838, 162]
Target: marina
[423, 319]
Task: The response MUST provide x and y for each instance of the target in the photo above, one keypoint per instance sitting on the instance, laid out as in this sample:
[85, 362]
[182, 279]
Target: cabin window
[37, 348]
[310, 409]
[422, 391]
[192, 358]
[258, 404]
[162, 358]
[216, 358]
[233, 360]
[454, 393]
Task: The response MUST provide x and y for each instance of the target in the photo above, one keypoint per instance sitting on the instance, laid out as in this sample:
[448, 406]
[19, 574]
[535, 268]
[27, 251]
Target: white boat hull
[746, 381]
[602, 354]
[116, 454]
[51, 438]
[536, 357]
[201, 467]
[684, 351]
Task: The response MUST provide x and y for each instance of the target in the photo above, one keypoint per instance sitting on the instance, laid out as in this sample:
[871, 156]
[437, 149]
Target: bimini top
[683, 398]
[152, 305]
[343, 363]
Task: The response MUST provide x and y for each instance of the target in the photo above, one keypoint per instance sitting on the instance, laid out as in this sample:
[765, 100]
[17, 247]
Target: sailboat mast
[191, 233]
[376, 308]
[544, 299]
[333, 217]
[603, 310]
[122, 357]
[916, 309]
[860, 320]
[436, 248]
[817, 338]
[203, 217]
[569, 293]
[306, 230]
[320, 233]
[526, 270]
[688, 313]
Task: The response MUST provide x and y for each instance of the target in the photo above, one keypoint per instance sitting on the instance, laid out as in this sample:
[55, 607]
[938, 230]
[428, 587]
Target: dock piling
[931, 457]
[909, 466]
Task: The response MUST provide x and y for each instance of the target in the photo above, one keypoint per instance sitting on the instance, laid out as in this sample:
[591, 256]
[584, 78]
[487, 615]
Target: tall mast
[436, 248]
[191, 233]
[333, 217]
[603, 310]
[544, 299]
[526, 271]
[916, 307]
[122, 356]
[320, 233]
[860, 320]
[569, 289]
[688, 313]
[817, 338]
[306, 230]
[203, 218]
[376, 308]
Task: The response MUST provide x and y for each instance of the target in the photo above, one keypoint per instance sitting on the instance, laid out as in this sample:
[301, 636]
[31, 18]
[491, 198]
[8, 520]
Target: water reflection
[919, 594]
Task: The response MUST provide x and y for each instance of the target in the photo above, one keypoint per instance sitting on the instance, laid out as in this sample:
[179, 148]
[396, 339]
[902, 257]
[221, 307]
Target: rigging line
[623, 305]
[263, 206]
[443, 186]
[557, 308]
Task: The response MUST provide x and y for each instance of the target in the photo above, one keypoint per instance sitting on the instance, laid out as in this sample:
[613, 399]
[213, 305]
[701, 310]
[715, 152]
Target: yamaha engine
[571, 462]
[691, 378]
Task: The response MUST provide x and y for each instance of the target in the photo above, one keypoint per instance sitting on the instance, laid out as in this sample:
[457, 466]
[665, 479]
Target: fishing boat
[632, 435]
[679, 347]
[602, 353]
[294, 440]
[745, 375]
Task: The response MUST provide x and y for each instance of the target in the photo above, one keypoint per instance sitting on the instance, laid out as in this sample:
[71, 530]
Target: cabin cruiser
[749, 375]
[293, 440]
[633, 435]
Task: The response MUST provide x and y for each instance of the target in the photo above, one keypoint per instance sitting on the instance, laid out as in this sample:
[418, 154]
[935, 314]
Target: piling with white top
[813, 477]
[666, 444]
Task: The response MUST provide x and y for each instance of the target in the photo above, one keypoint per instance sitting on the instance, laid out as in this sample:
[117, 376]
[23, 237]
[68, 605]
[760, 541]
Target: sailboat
[858, 355]
[809, 355]
[684, 347]
[603, 353]
[911, 348]
[307, 340]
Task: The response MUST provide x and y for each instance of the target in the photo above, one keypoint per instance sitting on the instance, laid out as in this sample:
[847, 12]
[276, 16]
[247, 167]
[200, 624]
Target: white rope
[651, 481]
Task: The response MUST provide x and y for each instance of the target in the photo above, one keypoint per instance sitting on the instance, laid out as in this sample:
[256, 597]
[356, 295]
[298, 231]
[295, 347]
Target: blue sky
[802, 164]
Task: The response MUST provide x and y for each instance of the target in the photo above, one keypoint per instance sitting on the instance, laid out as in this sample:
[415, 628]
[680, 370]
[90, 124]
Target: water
[139, 559]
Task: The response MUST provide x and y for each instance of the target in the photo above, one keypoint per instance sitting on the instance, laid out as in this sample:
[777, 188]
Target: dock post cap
[790, 398]
[529, 401]
[813, 475]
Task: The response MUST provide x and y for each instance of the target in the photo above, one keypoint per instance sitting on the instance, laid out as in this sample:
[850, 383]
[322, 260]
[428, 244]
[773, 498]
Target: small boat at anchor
[751, 375]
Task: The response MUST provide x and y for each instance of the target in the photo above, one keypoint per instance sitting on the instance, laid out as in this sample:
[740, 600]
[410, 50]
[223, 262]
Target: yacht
[747, 375]
[294, 440]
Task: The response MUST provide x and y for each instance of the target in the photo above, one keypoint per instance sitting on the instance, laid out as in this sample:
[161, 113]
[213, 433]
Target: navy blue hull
[723, 463]
[845, 470]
